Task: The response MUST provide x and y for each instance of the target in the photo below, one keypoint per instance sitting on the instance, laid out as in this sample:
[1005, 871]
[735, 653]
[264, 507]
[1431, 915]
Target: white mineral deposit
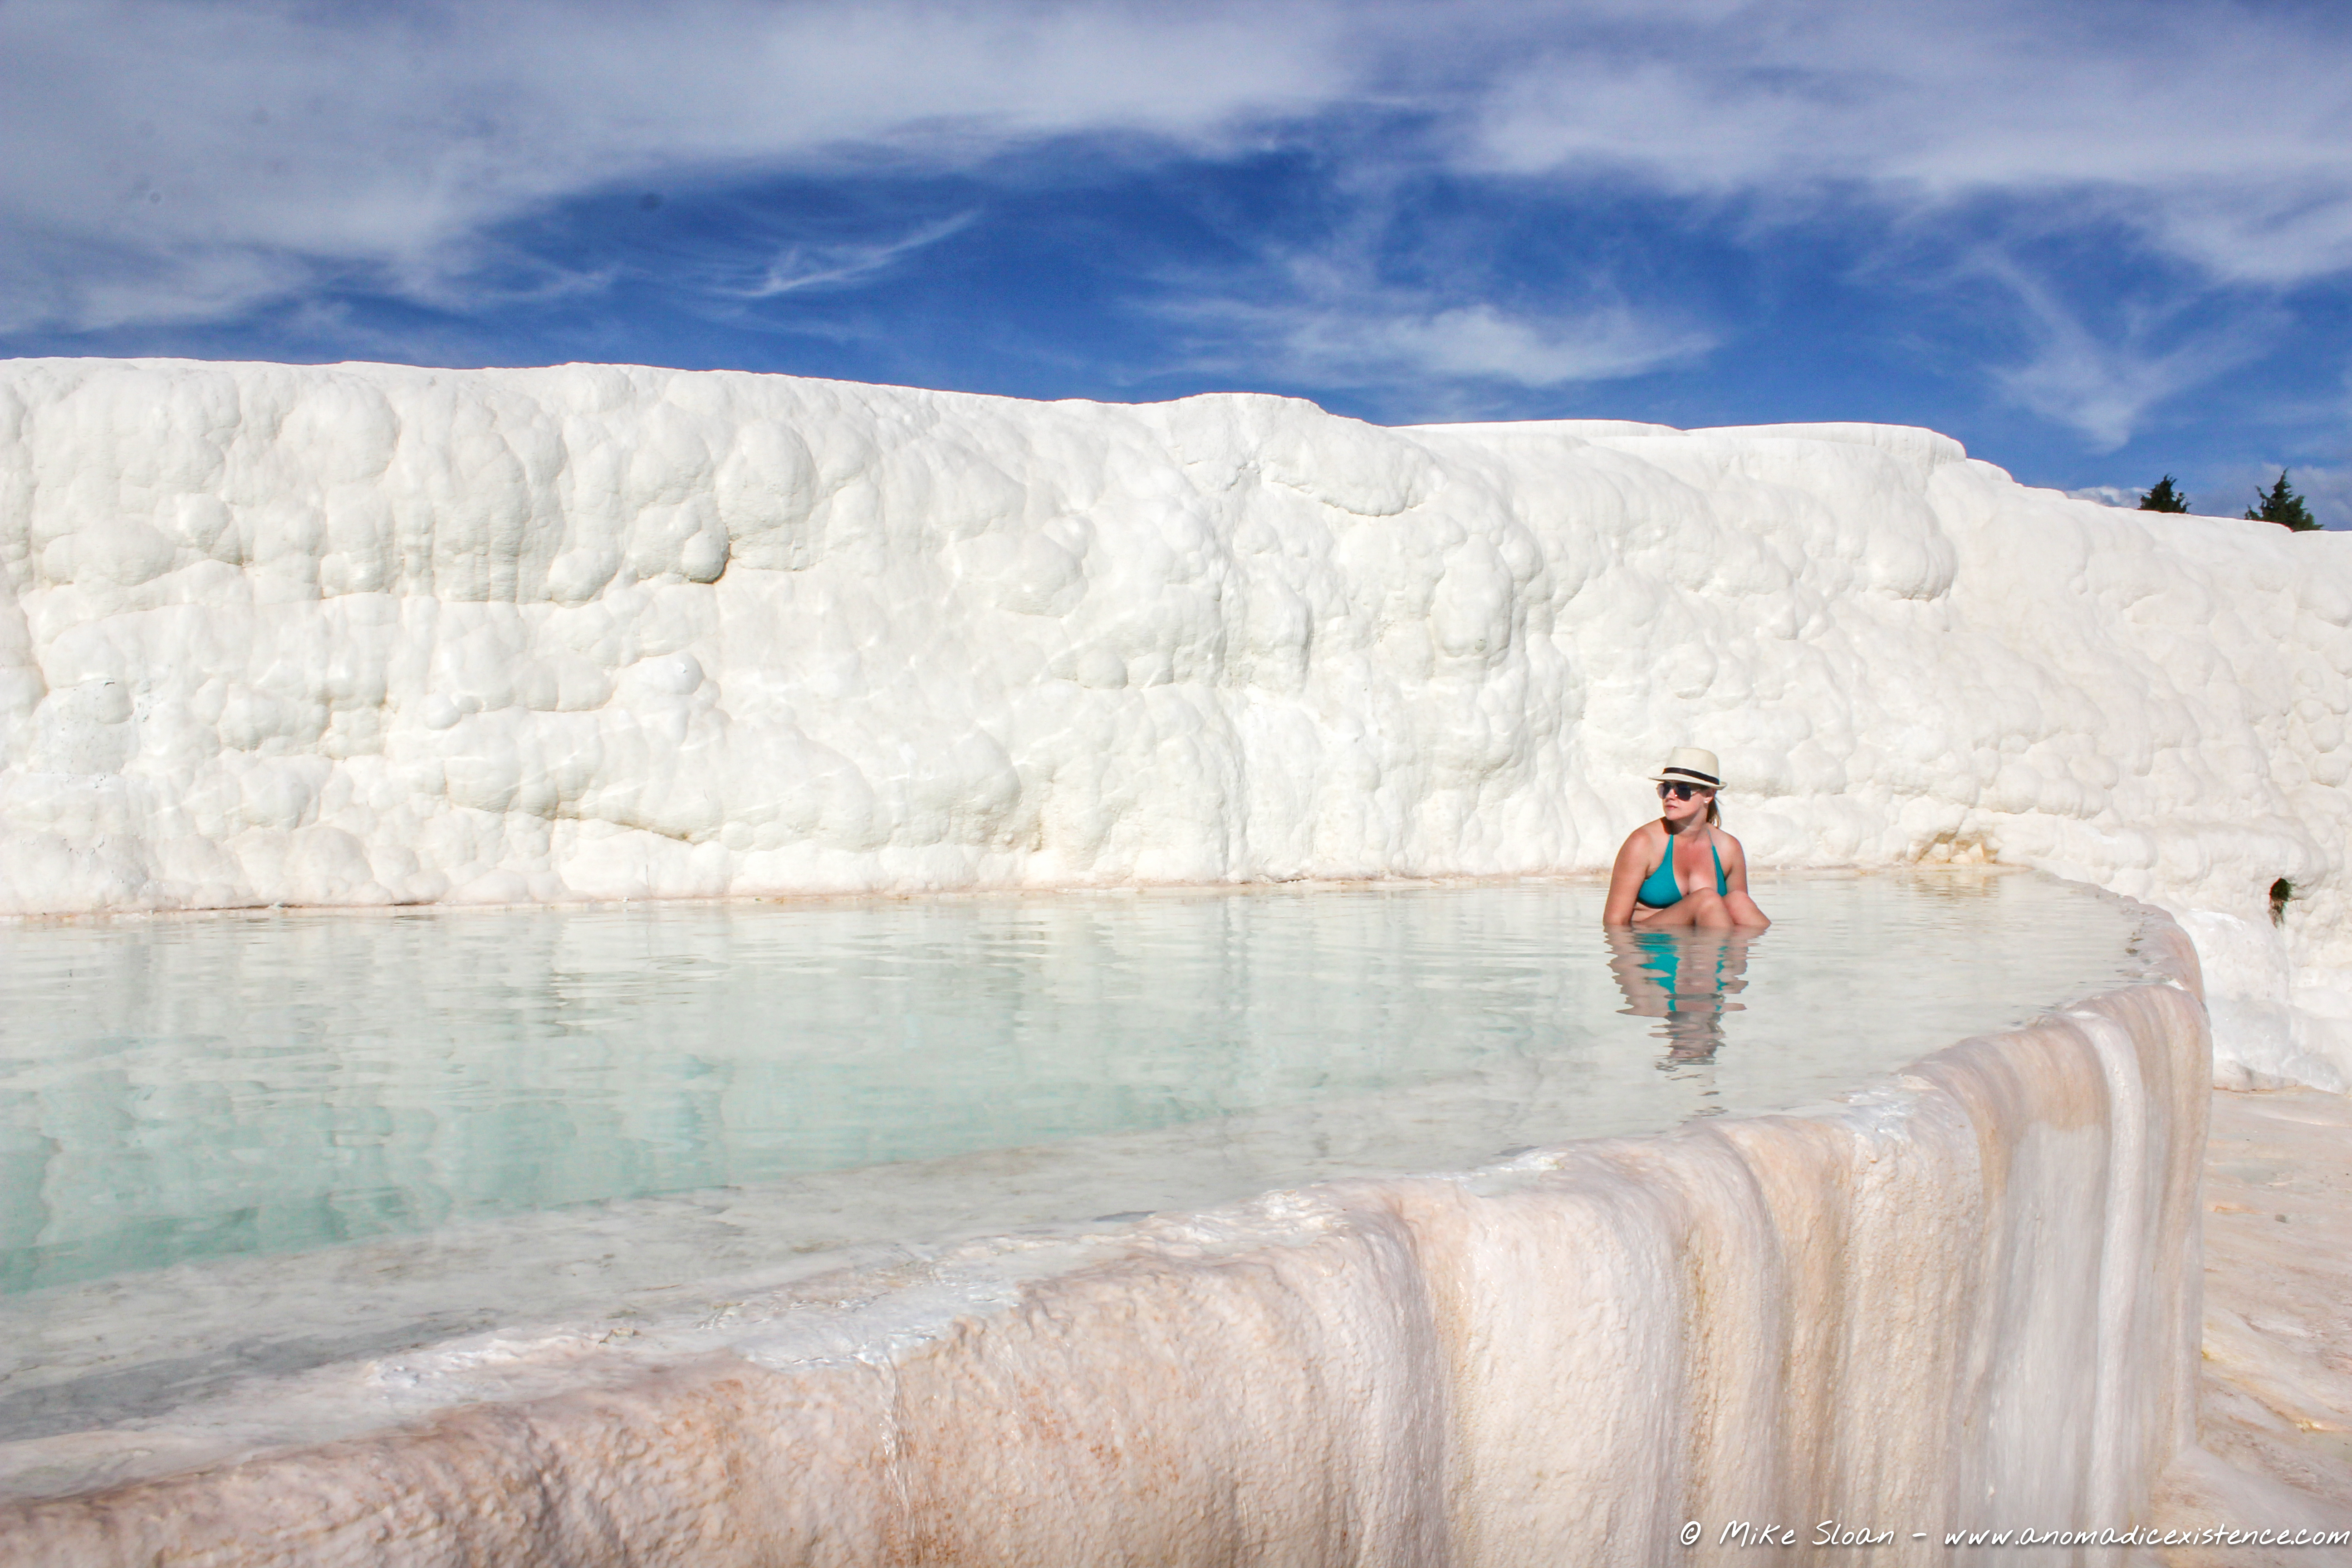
[365, 635]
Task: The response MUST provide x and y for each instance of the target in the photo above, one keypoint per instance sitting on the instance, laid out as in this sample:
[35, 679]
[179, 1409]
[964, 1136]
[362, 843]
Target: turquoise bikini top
[1663, 887]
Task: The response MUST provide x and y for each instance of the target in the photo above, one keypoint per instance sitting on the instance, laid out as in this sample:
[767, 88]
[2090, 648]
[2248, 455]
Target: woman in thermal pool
[1682, 870]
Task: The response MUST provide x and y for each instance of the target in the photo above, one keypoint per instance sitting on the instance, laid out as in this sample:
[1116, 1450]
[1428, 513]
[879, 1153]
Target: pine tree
[2165, 497]
[2281, 505]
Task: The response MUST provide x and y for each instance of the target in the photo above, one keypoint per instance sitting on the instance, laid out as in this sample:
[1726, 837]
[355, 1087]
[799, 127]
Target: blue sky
[2097, 242]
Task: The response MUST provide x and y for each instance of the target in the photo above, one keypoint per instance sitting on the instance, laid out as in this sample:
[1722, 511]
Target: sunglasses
[1682, 791]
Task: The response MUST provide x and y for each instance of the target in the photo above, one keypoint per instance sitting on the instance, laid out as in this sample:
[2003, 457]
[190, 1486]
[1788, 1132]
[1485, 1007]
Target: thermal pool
[389, 1177]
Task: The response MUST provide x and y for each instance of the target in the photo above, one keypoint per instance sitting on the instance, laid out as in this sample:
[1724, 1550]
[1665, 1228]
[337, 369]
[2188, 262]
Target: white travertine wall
[1966, 1301]
[364, 633]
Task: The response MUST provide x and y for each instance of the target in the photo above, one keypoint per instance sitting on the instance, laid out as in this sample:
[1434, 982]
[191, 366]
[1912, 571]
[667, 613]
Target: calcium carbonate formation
[369, 634]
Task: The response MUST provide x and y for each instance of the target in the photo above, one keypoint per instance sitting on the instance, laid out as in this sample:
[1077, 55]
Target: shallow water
[322, 1134]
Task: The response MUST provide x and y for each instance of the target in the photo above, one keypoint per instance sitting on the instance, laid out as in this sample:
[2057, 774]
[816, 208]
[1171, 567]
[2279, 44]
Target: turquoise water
[185, 1089]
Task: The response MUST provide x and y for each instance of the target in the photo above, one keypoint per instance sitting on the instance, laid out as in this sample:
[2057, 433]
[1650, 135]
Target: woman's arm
[1735, 897]
[1625, 879]
[1735, 864]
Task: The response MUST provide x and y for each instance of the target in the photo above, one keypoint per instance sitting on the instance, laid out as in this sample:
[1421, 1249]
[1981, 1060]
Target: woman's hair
[1713, 818]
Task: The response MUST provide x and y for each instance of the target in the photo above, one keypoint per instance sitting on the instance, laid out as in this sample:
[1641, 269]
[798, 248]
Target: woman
[1682, 870]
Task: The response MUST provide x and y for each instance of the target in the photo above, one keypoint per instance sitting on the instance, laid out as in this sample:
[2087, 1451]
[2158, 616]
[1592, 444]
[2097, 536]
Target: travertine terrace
[370, 635]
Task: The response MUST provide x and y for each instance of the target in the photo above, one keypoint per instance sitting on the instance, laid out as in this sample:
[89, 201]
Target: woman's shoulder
[1730, 845]
[1647, 839]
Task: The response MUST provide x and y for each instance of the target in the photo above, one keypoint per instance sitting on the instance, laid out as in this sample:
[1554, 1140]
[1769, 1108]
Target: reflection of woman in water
[1685, 978]
[1683, 871]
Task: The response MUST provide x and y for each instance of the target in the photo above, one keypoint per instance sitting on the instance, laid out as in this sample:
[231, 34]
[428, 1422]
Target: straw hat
[1689, 764]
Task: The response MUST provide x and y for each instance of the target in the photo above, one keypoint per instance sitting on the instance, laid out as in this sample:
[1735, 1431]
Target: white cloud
[1399, 339]
[2224, 130]
[2108, 495]
[185, 159]
[1328, 318]
[798, 267]
[212, 155]
[2105, 386]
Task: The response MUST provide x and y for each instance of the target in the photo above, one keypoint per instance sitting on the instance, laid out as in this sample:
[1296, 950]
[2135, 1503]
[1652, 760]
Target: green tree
[2281, 505]
[2165, 497]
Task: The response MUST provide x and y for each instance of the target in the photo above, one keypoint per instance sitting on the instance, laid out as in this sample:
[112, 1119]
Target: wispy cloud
[2226, 124]
[212, 155]
[2108, 495]
[1339, 314]
[800, 267]
[2104, 384]
[1479, 341]
[1396, 338]
[215, 156]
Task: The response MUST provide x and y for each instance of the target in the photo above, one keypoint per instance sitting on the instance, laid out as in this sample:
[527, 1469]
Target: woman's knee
[1709, 909]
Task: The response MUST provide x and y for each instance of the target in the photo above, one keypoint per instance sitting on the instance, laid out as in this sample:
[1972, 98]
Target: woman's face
[1684, 803]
